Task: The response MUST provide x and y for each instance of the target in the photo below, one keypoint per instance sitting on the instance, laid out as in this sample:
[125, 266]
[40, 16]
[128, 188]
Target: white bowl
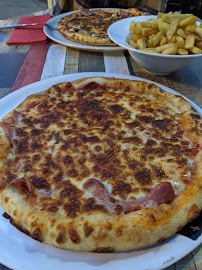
[157, 64]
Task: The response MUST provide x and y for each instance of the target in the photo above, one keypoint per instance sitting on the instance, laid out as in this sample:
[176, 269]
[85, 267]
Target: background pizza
[90, 26]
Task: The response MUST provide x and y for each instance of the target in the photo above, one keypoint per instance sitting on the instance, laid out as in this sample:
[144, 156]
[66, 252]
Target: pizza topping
[84, 11]
[90, 27]
[124, 13]
[161, 193]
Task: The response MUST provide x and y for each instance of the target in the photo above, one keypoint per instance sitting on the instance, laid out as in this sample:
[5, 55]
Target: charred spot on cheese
[121, 188]
[103, 250]
[61, 237]
[74, 236]
[91, 205]
[162, 124]
[22, 146]
[72, 207]
[39, 182]
[195, 116]
[87, 229]
[10, 177]
[143, 176]
[37, 234]
[69, 191]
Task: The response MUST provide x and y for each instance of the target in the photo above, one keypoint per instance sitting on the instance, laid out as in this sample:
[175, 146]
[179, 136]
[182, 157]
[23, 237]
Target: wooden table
[22, 65]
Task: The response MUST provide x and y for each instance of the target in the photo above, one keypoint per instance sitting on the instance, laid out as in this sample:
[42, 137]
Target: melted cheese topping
[125, 140]
[94, 23]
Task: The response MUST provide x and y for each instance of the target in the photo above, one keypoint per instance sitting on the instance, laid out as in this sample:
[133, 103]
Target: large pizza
[101, 164]
[90, 26]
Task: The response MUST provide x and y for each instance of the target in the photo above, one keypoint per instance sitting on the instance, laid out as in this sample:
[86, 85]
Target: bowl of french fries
[160, 44]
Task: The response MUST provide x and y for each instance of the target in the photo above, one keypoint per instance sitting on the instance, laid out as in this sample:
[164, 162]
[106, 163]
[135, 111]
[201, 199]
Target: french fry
[159, 15]
[189, 41]
[182, 51]
[183, 16]
[180, 41]
[199, 44]
[173, 39]
[191, 28]
[198, 31]
[163, 41]
[167, 18]
[195, 50]
[163, 47]
[146, 31]
[180, 32]
[136, 30]
[149, 50]
[171, 50]
[163, 27]
[132, 27]
[132, 43]
[152, 31]
[138, 25]
[188, 21]
[136, 37]
[172, 29]
[152, 23]
[197, 38]
[157, 39]
[141, 44]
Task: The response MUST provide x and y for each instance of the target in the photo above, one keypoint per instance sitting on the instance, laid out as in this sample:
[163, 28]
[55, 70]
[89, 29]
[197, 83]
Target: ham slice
[8, 124]
[161, 193]
[124, 13]
[85, 11]
[10, 132]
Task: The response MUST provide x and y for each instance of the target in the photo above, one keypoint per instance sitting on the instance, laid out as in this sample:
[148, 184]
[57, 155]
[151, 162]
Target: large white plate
[55, 35]
[18, 251]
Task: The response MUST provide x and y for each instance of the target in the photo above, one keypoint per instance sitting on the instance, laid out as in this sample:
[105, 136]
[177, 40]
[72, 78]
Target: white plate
[18, 251]
[59, 38]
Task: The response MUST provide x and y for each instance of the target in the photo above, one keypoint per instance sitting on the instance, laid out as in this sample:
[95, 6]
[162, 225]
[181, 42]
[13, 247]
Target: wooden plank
[10, 68]
[2, 36]
[140, 72]
[186, 263]
[188, 81]
[115, 62]
[71, 61]
[4, 92]
[197, 253]
[55, 62]
[172, 267]
[91, 62]
[32, 67]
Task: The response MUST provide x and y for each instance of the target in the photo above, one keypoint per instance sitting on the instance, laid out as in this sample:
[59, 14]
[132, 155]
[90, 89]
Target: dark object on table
[185, 6]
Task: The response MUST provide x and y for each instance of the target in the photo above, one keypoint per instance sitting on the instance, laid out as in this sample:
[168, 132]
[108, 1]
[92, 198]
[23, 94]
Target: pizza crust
[108, 233]
[104, 230]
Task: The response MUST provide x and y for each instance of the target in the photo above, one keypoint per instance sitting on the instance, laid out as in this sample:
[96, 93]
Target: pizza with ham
[90, 26]
[101, 165]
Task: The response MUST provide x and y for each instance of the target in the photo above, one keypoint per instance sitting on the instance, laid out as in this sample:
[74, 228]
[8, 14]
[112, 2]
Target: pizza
[101, 165]
[90, 26]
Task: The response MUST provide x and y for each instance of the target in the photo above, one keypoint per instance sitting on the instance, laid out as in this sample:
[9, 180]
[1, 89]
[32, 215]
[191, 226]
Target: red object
[29, 34]
[32, 67]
